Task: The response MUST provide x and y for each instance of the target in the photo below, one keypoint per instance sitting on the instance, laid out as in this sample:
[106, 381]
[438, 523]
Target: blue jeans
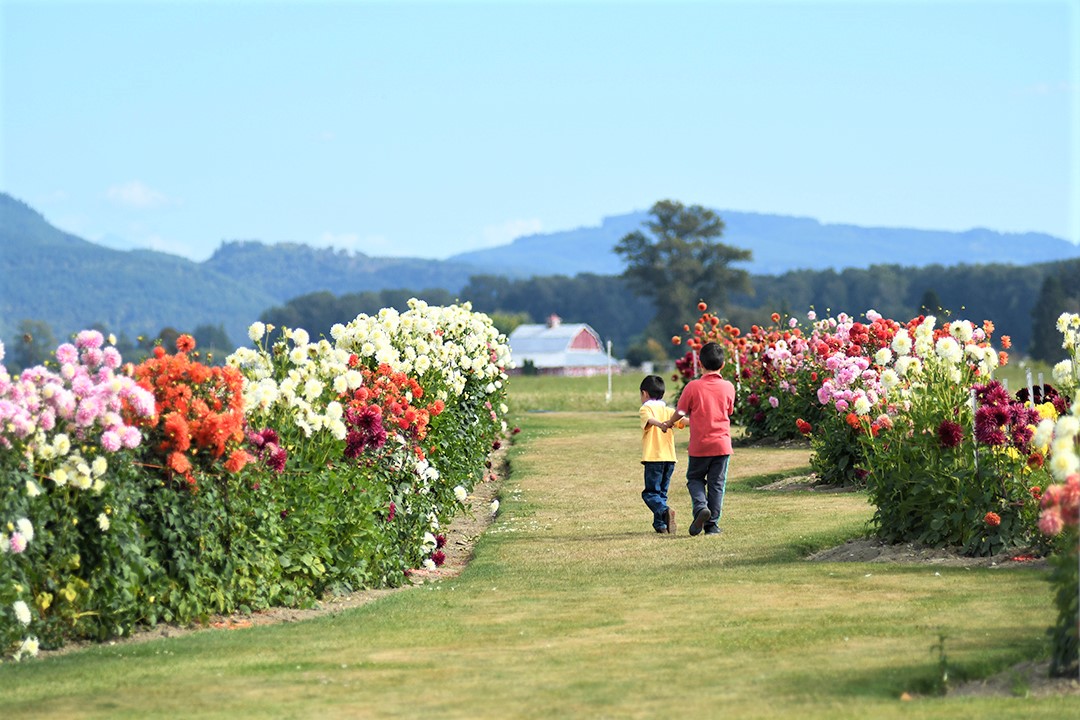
[706, 479]
[657, 481]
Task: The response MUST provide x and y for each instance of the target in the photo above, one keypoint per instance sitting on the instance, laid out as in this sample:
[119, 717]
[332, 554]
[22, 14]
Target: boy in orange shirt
[657, 452]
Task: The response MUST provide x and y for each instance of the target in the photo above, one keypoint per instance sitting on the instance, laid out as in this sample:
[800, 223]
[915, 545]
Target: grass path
[573, 607]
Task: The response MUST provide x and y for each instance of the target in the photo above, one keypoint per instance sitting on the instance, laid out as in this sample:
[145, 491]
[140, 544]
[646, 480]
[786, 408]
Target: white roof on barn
[556, 344]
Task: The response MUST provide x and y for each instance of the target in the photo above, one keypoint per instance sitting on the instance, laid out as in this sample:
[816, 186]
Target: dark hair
[654, 386]
[712, 356]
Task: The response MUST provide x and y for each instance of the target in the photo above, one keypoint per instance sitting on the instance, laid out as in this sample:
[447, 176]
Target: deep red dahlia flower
[950, 434]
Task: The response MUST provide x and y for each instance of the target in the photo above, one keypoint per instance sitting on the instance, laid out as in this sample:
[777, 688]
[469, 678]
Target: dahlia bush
[907, 410]
[944, 452]
[459, 358]
[172, 490]
[64, 521]
[771, 367]
[1059, 518]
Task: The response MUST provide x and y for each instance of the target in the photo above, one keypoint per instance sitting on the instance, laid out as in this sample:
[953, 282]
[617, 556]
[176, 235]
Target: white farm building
[557, 348]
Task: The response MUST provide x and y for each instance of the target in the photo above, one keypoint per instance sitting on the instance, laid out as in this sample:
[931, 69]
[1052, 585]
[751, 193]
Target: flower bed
[171, 490]
[910, 411]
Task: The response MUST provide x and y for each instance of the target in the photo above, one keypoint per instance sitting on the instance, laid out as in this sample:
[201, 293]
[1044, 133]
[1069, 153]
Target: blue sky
[426, 129]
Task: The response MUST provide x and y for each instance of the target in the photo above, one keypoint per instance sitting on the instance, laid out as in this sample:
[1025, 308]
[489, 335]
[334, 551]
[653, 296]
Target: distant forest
[1022, 302]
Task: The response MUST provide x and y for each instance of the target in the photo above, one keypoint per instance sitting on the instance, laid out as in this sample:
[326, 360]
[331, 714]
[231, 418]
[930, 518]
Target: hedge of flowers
[910, 411]
[171, 490]
[1059, 518]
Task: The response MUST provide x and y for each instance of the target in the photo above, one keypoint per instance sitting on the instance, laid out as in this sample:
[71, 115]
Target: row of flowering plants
[1059, 517]
[910, 412]
[171, 490]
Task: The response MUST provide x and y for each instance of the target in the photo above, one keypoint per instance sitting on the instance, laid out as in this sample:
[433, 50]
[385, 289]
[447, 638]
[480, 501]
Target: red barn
[558, 348]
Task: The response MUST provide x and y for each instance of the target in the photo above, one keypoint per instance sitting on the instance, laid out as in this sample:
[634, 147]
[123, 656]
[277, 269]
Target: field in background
[550, 393]
[547, 393]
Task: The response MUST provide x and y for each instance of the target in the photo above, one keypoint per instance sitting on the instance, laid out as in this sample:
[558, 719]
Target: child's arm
[656, 423]
[675, 419]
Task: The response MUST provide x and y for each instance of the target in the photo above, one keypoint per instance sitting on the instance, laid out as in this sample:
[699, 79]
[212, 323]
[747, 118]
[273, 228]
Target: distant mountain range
[779, 244]
[70, 283]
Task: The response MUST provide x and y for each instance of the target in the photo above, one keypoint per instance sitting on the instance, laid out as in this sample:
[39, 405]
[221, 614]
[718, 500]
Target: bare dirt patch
[1028, 679]
[461, 537]
[873, 550]
[807, 483]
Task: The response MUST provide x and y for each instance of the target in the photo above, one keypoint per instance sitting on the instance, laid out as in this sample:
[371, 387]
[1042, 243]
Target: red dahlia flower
[950, 434]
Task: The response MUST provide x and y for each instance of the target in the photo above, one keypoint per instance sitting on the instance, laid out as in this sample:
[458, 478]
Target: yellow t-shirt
[657, 445]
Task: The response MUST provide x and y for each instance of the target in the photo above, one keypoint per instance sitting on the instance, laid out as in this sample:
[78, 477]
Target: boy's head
[711, 356]
[653, 386]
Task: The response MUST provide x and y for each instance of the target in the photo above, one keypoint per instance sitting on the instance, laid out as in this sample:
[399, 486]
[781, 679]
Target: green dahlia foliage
[1060, 516]
[125, 503]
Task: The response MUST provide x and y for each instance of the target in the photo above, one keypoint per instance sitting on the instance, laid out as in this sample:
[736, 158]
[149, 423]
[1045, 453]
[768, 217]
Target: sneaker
[661, 529]
[713, 530]
[700, 519]
[669, 518]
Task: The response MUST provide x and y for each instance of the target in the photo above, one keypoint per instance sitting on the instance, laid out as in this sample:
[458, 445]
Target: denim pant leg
[665, 482]
[696, 469]
[716, 479]
[655, 494]
[706, 479]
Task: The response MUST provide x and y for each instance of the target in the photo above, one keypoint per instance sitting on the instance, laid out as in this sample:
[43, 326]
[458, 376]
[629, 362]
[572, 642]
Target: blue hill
[779, 243]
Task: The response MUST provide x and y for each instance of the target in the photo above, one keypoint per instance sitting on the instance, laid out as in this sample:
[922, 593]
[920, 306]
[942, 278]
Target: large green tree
[680, 262]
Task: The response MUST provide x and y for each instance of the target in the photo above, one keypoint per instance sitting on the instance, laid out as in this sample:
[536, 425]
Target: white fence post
[608, 371]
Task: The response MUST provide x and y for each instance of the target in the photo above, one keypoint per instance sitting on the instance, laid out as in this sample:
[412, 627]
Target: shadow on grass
[941, 672]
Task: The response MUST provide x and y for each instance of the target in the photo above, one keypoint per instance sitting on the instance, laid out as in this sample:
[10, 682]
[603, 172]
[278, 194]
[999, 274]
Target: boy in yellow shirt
[657, 452]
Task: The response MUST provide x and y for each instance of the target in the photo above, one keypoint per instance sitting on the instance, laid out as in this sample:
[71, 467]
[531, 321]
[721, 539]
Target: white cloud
[135, 194]
[509, 230]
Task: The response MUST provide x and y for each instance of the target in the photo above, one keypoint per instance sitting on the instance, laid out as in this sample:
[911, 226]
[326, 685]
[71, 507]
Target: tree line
[1022, 301]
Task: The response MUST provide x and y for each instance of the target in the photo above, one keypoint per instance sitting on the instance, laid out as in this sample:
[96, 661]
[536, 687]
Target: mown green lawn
[574, 607]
